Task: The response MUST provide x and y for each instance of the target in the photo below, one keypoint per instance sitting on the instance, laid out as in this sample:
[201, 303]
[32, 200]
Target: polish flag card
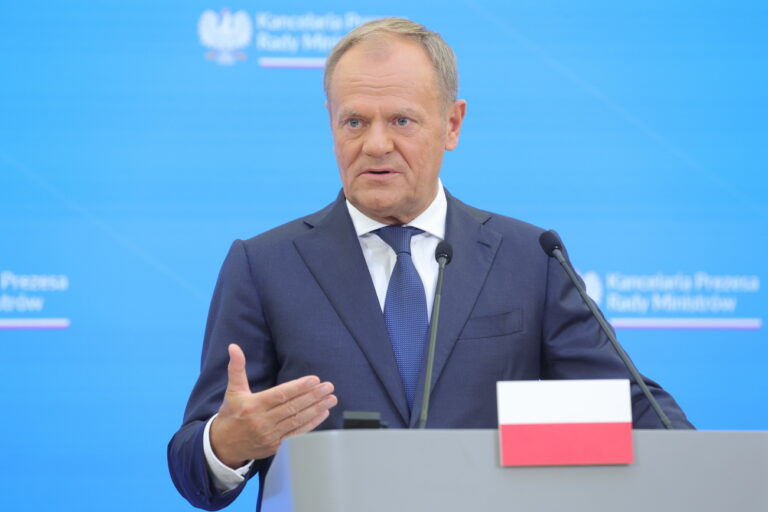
[565, 422]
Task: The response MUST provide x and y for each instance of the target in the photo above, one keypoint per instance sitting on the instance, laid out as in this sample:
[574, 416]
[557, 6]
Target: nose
[377, 141]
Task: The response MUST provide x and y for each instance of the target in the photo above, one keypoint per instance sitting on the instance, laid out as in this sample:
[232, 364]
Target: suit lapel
[332, 252]
[474, 249]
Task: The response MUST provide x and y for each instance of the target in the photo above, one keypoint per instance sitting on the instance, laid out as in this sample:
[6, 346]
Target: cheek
[422, 155]
[412, 151]
[344, 153]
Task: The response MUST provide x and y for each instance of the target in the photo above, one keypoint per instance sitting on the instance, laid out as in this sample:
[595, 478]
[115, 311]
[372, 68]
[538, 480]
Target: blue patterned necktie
[405, 308]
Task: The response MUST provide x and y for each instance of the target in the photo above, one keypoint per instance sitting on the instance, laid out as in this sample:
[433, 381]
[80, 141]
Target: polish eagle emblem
[226, 34]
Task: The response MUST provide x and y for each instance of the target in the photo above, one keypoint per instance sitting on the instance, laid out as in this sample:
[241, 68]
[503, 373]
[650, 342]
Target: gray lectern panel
[458, 470]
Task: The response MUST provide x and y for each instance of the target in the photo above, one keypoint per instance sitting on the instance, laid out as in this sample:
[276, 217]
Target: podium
[458, 470]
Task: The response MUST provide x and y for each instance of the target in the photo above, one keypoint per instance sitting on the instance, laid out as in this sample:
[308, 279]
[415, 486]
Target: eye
[402, 121]
[354, 123]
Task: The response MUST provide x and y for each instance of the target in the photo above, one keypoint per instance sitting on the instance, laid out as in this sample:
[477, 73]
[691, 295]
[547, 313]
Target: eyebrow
[347, 112]
[405, 111]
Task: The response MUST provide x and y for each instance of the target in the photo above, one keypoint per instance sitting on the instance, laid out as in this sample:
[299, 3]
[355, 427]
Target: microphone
[444, 252]
[550, 242]
[552, 245]
[443, 255]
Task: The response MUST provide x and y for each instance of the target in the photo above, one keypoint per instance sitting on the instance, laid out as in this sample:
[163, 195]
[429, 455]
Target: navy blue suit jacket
[299, 300]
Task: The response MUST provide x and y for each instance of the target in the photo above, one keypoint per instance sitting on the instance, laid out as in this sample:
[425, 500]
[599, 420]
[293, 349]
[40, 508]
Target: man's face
[390, 127]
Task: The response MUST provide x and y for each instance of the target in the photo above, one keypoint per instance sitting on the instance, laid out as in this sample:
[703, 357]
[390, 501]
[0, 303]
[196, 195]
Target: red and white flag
[565, 422]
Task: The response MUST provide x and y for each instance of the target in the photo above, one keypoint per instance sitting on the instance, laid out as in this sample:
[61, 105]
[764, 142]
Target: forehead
[385, 68]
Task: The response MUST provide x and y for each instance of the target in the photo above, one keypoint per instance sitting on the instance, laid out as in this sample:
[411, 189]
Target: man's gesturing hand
[252, 425]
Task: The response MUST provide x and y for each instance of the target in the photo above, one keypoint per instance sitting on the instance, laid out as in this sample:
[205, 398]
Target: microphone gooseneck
[552, 245]
[443, 255]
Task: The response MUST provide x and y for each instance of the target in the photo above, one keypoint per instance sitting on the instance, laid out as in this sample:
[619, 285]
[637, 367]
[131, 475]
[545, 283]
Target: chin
[376, 200]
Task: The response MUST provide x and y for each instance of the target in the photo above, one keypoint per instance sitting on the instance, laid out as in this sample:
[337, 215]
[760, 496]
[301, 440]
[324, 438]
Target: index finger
[278, 395]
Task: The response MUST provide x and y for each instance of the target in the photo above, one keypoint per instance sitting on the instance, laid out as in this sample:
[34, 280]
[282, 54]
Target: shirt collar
[431, 220]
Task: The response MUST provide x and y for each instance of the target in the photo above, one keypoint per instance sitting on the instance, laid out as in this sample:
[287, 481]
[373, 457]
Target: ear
[454, 119]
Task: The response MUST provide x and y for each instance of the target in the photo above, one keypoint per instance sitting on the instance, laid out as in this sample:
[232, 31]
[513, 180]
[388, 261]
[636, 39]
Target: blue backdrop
[135, 146]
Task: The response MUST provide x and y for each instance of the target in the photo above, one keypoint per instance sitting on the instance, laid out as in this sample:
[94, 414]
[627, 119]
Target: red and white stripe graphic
[565, 422]
[34, 323]
[743, 324]
[292, 62]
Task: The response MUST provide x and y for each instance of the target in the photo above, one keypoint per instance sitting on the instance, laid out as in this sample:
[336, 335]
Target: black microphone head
[549, 241]
[444, 250]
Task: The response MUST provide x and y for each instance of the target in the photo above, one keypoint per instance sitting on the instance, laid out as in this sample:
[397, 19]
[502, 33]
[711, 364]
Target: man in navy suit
[299, 318]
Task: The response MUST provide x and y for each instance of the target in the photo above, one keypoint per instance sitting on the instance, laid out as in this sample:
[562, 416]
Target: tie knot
[398, 237]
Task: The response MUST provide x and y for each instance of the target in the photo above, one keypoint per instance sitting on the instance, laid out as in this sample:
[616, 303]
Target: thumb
[237, 380]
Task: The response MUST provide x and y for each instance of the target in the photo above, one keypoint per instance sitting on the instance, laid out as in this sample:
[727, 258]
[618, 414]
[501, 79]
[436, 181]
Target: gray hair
[441, 55]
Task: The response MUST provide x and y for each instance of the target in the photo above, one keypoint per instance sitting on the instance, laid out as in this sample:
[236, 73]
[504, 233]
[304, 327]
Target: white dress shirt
[380, 259]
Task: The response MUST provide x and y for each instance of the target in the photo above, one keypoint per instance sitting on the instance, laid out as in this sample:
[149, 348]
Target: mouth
[379, 172]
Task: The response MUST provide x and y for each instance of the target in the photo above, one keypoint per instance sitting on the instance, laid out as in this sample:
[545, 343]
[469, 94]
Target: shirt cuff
[223, 477]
